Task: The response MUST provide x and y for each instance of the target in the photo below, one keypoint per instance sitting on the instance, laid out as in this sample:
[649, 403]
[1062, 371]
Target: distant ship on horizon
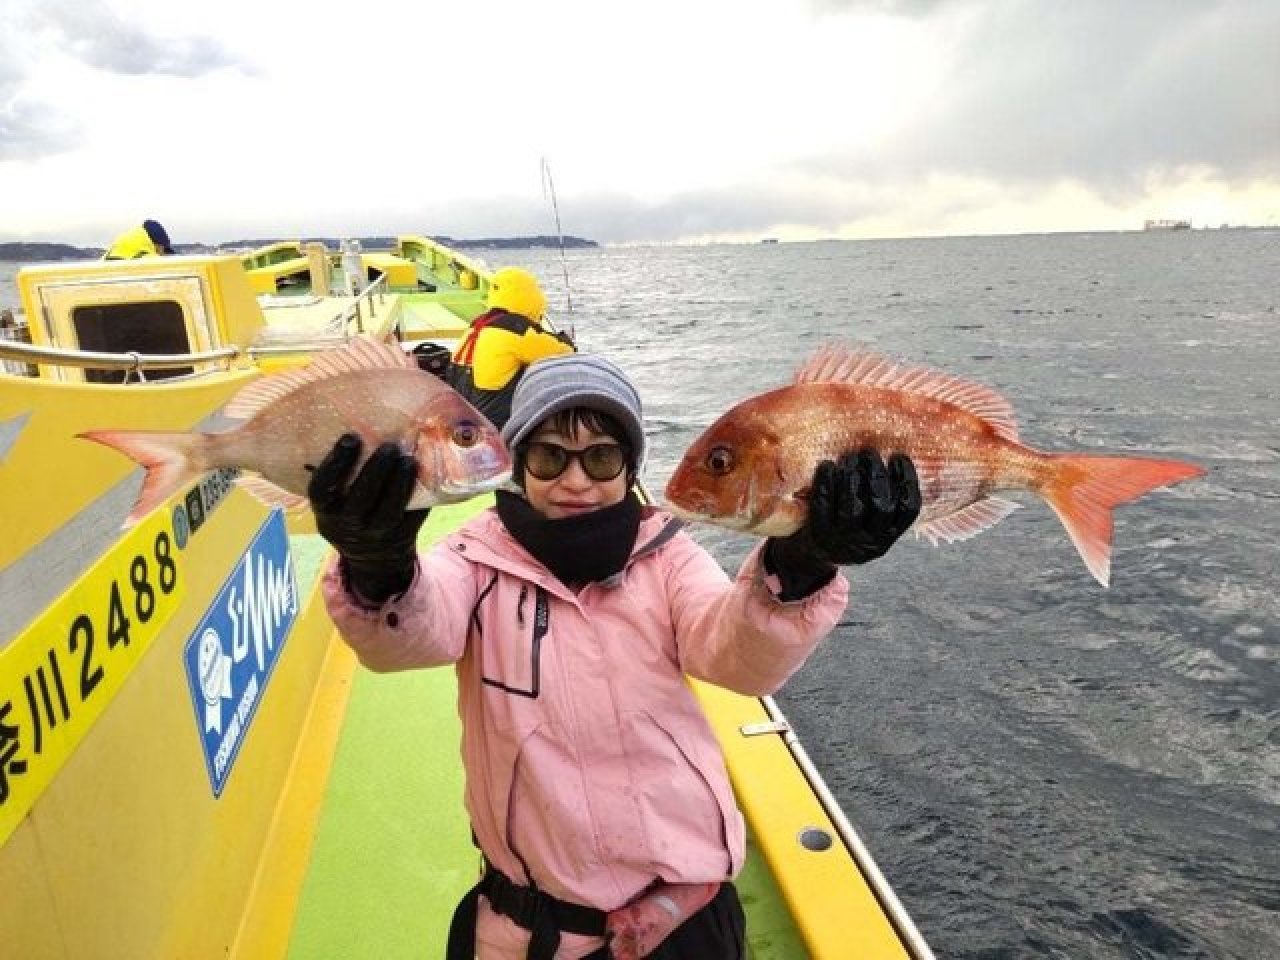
[1166, 225]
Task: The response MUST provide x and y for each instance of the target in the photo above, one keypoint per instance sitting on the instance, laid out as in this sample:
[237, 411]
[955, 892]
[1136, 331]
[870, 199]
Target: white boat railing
[379, 289]
[778, 723]
[889, 901]
[136, 363]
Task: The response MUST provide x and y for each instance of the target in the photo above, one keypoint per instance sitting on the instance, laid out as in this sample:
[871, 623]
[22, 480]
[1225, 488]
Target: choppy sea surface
[1042, 767]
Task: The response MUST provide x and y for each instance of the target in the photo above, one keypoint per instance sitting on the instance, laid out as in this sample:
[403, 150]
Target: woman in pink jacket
[596, 790]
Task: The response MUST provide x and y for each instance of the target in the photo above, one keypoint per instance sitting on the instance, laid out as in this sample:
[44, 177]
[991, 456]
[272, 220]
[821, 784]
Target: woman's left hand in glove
[858, 508]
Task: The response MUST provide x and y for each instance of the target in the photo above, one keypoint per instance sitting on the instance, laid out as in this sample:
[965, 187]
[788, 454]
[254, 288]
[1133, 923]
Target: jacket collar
[485, 540]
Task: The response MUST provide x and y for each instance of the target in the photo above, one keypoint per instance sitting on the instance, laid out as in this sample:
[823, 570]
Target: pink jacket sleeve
[741, 636]
[426, 627]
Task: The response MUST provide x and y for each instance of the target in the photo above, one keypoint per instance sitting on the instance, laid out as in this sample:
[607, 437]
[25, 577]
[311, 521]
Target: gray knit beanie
[575, 380]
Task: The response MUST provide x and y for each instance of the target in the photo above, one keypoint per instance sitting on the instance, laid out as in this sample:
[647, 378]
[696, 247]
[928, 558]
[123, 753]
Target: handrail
[136, 362]
[889, 901]
[450, 255]
[91, 359]
[378, 287]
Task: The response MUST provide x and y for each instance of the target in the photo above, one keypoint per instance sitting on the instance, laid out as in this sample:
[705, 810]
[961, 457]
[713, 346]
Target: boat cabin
[168, 306]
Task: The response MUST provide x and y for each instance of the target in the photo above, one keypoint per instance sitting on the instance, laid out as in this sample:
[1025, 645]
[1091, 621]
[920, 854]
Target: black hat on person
[158, 235]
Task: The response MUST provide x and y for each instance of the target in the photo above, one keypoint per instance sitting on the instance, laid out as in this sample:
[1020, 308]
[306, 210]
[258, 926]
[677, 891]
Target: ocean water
[1041, 767]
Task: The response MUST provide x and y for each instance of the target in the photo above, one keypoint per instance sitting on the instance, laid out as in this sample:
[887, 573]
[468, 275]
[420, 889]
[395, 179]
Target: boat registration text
[59, 675]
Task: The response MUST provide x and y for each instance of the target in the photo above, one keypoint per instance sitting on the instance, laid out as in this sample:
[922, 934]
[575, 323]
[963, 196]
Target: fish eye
[466, 434]
[720, 460]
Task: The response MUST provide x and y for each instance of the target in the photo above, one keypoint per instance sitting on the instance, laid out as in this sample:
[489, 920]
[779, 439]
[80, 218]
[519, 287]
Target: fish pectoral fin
[966, 522]
[269, 493]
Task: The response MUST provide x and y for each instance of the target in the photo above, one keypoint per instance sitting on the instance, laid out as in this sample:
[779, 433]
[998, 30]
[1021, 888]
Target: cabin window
[154, 327]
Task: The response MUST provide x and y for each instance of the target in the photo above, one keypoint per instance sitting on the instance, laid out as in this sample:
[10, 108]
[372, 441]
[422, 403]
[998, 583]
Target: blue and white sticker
[230, 657]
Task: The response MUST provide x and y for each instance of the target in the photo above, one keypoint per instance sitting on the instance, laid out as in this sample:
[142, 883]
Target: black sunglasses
[601, 462]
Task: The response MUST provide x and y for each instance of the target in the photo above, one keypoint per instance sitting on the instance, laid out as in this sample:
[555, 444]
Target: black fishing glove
[858, 508]
[367, 522]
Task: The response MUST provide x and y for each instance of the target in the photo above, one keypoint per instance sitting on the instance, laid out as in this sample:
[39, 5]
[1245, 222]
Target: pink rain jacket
[588, 760]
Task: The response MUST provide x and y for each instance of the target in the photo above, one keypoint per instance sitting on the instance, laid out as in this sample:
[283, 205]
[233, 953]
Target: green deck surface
[393, 851]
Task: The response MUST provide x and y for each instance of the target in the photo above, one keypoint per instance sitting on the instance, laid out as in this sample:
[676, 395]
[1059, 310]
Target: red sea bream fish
[292, 420]
[751, 469]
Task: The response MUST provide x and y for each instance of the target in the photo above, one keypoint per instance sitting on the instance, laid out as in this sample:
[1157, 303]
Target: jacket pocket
[490, 790]
[512, 660]
[704, 785]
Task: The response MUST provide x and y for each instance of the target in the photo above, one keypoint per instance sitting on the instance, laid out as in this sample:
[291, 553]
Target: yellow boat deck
[369, 857]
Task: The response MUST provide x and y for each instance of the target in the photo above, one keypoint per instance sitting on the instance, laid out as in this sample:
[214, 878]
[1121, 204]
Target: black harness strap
[544, 916]
[462, 929]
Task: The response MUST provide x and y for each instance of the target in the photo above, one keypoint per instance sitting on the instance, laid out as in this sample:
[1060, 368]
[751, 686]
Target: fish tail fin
[1085, 489]
[169, 459]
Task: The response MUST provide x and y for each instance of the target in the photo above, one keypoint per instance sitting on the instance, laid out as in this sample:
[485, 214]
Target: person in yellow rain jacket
[148, 240]
[503, 342]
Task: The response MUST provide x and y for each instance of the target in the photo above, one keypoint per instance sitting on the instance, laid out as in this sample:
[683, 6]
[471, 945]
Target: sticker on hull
[230, 656]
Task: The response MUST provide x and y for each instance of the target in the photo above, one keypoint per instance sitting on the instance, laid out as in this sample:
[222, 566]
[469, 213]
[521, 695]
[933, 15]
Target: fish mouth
[462, 491]
[681, 512]
[731, 522]
[452, 492]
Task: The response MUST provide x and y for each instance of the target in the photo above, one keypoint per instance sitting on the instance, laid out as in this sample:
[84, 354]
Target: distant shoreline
[26, 252]
[23, 251]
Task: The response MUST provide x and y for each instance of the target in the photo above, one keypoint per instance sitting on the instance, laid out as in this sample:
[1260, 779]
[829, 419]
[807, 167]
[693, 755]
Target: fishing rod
[549, 191]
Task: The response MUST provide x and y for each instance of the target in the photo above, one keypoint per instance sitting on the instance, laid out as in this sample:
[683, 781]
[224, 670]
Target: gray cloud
[746, 209]
[95, 35]
[90, 32]
[27, 129]
[27, 132]
[1107, 94]
[904, 8]
[618, 218]
[1104, 95]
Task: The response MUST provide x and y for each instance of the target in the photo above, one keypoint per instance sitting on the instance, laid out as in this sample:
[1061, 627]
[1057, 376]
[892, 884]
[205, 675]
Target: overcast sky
[663, 120]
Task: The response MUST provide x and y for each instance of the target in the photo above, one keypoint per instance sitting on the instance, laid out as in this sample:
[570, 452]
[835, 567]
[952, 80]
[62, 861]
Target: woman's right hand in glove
[365, 518]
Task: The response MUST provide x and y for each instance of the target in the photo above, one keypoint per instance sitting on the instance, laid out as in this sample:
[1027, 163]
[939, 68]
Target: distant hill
[515, 243]
[458, 243]
[25, 252]
[29, 252]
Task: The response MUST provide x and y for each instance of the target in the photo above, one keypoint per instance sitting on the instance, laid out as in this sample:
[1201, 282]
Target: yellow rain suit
[502, 342]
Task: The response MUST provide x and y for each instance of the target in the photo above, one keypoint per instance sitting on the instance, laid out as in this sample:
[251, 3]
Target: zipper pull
[524, 592]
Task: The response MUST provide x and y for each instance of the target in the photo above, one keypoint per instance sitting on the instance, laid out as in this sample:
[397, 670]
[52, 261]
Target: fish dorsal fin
[836, 363]
[360, 353]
